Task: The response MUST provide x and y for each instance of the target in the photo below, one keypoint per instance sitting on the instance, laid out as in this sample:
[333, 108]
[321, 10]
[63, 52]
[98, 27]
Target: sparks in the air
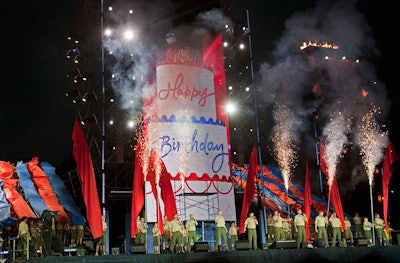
[284, 139]
[335, 134]
[372, 141]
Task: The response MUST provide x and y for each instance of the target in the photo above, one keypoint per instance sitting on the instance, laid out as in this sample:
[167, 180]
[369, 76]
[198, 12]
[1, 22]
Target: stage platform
[381, 254]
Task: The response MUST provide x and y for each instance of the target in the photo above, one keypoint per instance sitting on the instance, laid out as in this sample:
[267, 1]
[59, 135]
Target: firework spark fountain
[284, 138]
[372, 142]
[335, 133]
[142, 146]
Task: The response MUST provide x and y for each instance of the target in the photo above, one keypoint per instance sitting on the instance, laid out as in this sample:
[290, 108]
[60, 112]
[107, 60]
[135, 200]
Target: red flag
[45, 189]
[138, 187]
[307, 203]
[389, 159]
[84, 166]
[250, 188]
[334, 189]
[167, 193]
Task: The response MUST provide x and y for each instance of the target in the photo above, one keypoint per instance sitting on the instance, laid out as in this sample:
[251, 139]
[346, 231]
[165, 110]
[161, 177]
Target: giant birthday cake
[182, 127]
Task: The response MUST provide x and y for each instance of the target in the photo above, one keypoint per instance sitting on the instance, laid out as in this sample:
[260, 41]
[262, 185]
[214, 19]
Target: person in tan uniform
[278, 226]
[221, 229]
[287, 223]
[348, 234]
[24, 234]
[166, 237]
[300, 221]
[321, 223]
[336, 229]
[367, 227]
[191, 225]
[251, 225]
[176, 230]
[270, 227]
[233, 234]
[358, 224]
[156, 238]
[379, 225]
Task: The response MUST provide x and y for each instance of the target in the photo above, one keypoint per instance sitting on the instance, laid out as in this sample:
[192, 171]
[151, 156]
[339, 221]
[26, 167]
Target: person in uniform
[336, 229]
[270, 227]
[24, 235]
[287, 227]
[367, 227]
[191, 225]
[156, 238]
[48, 219]
[358, 224]
[300, 221]
[379, 225]
[221, 229]
[101, 241]
[233, 234]
[175, 226]
[278, 226]
[251, 224]
[348, 234]
[167, 234]
[321, 223]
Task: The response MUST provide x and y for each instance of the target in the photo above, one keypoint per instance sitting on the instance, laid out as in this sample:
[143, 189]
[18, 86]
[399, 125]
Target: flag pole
[288, 205]
[372, 214]
[329, 200]
[261, 214]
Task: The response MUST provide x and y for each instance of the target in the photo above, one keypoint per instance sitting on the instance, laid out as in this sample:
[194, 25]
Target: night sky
[37, 119]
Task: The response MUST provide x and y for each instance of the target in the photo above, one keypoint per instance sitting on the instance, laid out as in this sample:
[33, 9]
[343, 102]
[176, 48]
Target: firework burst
[372, 142]
[284, 140]
[336, 138]
[142, 147]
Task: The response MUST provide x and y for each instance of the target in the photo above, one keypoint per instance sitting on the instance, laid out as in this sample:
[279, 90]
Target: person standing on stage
[367, 227]
[321, 223]
[80, 232]
[101, 241]
[336, 229]
[379, 225]
[233, 234]
[348, 234]
[191, 225]
[167, 235]
[48, 219]
[23, 233]
[251, 224]
[176, 240]
[270, 227]
[278, 226]
[300, 221]
[142, 231]
[156, 238]
[287, 227]
[35, 229]
[358, 224]
[184, 244]
[221, 229]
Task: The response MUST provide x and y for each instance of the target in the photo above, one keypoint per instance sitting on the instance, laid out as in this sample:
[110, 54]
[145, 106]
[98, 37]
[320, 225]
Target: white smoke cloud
[132, 63]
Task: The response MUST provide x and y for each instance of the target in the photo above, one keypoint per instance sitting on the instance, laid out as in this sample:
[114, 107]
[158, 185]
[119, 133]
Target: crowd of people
[42, 236]
[325, 231]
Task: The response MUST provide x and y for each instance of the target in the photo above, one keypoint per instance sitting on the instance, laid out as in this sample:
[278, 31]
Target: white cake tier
[185, 90]
[199, 148]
